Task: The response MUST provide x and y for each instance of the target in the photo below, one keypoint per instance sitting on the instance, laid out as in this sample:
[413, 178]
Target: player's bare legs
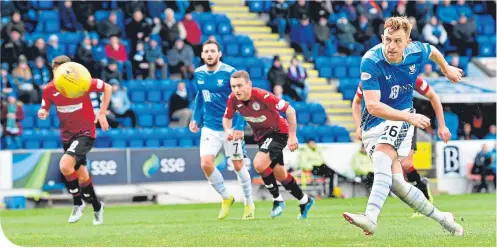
[388, 174]
[217, 181]
[246, 182]
[67, 164]
[86, 185]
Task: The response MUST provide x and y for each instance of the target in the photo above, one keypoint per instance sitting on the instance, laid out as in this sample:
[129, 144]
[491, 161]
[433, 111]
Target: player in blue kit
[388, 75]
[213, 82]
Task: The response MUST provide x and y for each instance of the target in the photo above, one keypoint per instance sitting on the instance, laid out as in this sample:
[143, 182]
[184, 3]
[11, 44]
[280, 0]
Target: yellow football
[72, 80]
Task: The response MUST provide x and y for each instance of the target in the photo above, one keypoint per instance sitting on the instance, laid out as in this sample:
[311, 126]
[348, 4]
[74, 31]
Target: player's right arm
[198, 110]
[372, 95]
[229, 114]
[46, 103]
[356, 111]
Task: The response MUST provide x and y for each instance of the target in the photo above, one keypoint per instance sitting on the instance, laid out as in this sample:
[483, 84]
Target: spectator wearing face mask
[179, 106]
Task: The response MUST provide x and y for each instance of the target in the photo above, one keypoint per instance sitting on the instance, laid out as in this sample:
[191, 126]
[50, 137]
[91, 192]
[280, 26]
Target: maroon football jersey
[261, 112]
[76, 115]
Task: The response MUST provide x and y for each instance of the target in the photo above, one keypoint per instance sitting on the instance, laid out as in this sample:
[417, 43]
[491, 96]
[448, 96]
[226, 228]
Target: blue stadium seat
[224, 27]
[43, 123]
[326, 72]
[247, 50]
[136, 143]
[256, 72]
[154, 96]
[49, 15]
[103, 142]
[138, 96]
[28, 122]
[340, 72]
[145, 120]
[52, 26]
[152, 143]
[343, 138]
[232, 49]
[162, 120]
[184, 143]
[32, 144]
[256, 6]
[303, 118]
[48, 4]
[50, 144]
[354, 72]
[208, 28]
[119, 144]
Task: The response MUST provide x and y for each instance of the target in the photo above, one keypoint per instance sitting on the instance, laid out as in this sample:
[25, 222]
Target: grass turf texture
[196, 225]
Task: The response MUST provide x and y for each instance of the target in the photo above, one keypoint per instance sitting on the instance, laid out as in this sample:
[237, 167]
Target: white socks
[246, 182]
[304, 199]
[217, 181]
[413, 197]
[382, 183]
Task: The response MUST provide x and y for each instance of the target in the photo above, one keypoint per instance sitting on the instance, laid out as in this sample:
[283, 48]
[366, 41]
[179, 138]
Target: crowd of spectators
[356, 26]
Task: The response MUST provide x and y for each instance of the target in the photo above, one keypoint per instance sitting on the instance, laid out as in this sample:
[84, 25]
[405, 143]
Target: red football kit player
[272, 132]
[423, 88]
[77, 130]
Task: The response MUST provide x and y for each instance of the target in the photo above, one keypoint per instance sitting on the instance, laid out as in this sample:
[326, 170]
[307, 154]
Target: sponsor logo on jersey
[100, 84]
[256, 106]
[280, 104]
[260, 119]
[412, 69]
[365, 76]
[70, 108]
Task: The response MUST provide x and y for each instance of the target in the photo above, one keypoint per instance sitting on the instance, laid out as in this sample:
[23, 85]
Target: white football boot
[98, 216]
[77, 212]
[449, 224]
[362, 221]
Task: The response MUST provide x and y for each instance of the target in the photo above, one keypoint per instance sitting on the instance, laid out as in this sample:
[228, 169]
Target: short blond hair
[397, 23]
[241, 74]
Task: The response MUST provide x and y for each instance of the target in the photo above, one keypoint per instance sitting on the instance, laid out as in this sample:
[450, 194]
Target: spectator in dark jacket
[111, 72]
[38, 49]
[170, 31]
[302, 34]
[85, 14]
[364, 32]
[68, 21]
[415, 34]
[278, 16]
[155, 59]
[482, 167]
[138, 29]
[318, 9]
[12, 49]
[179, 106]
[109, 27]
[16, 23]
[464, 36]
[350, 10]
[346, 40]
[7, 83]
[84, 56]
[467, 133]
[277, 76]
[180, 59]
[131, 6]
[423, 12]
[297, 75]
[140, 64]
[323, 44]
[299, 9]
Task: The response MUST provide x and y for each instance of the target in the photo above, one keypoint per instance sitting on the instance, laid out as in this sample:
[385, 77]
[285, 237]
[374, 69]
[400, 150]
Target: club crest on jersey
[412, 69]
[200, 81]
[256, 106]
[219, 82]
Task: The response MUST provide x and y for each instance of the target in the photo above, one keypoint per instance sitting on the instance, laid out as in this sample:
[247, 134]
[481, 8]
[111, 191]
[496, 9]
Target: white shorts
[212, 141]
[399, 134]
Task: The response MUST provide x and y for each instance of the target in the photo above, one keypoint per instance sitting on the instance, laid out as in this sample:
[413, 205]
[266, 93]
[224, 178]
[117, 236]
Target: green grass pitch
[196, 225]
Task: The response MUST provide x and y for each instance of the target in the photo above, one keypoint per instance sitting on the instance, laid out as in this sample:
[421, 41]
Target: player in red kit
[77, 130]
[272, 132]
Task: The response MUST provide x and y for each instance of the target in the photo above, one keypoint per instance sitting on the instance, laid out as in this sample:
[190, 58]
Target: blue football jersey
[213, 92]
[396, 82]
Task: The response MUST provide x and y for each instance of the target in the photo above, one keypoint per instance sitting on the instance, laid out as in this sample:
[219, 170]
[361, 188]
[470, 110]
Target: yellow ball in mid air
[72, 80]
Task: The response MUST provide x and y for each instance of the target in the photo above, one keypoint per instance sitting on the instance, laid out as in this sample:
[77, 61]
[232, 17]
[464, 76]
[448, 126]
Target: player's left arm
[454, 74]
[98, 85]
[424, 88]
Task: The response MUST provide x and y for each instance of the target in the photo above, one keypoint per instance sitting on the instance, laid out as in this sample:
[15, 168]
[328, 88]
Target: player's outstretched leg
[67, 163]
[382, 182]
[291, 186]
[419, 203]
[262, 164]
[217, 181]
[86, 185]
[414, 177]
[246, 183]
